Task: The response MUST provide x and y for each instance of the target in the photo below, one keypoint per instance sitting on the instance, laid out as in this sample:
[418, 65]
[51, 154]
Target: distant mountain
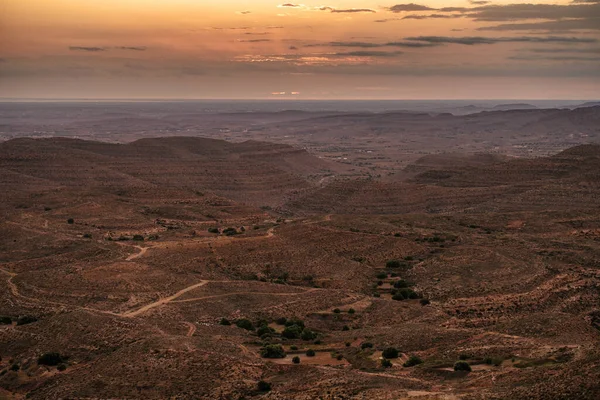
[516, 106]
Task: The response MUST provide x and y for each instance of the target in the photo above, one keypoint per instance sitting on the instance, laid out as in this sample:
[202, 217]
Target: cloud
[244, 12]
[479, 2]
[354, 10]
[370, 45]
[132, 48]
[254, 40]
[370, 53]
[564, 50]
[88, 49]
[433, 16]
[477, 40]
[290, 5]
[555, 58]
[409, 7]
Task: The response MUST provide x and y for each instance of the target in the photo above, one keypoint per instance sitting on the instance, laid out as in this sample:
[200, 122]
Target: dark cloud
[370, 45]
[354, 10]
[555, 58]
[255, 41]
[132, 48]
[566, 25]
[293, 48]
[244, 12]
[564, 50]
[476, 40]
[88, 49]
[515, 12]
[290, 5]
[370, 53]
[433, 16]
[409, 7]
[479, 2]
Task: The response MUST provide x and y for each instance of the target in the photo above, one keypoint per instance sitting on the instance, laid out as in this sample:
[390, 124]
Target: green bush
[463, 356]
[295, 321]
[351, 311]
[70, 221]
[224, 321]
[61, 367]
[5, 320]
[337, 310]
[264, 330]
[272, 351]
[345, 328]
[15, 367]
[263, 386]
[26, 319]
[293, 347]
[385, 363]
[390, 352]
[366, 345]
[400, 284]
[138, 238]
[340, 357]
[87, 235]
[348, 344]
[462, 366]
[244, 324]
[214, 230]
[404, 294]
[51, 359]
[382, 275]
[296, 360]
[230, 231]
[412, 361]
[310, 353]
[425, 302]
[281, 321]
[292, 332]
[307, 334]
[393, 264]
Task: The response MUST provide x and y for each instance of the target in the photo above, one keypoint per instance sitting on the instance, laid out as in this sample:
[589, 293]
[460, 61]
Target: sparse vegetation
[296, 360]
[26, 319]
[224, 321]
[214, 230]
[5, 320]
[310, 353]
[366, 345]
[244, 324]
[393, 264]
[351, 311]
[70, 221]
[385, 363]
[263, 386]
[337, 310]
[51, 359]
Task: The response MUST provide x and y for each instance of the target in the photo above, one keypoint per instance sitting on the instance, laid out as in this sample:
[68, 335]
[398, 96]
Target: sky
[264, 49]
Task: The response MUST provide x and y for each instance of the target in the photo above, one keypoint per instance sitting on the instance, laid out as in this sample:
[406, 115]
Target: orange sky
[269, 49]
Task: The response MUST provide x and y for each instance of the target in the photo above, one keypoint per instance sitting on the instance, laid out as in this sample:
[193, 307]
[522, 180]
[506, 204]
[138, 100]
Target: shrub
[408, 258]
[401, 284]
[307, 334]
[463, 356]
[412, 361]
[264, 330]
[379, 283]
[425, 302]
[462, 366]
[337, 310]
[346, 328]
[61, 367]
[281, 321]
[272, 351]
[340, 357]
[351, 311]
[317, 341]
[295, 321]
[26, 319]
[244, 324]
[70, 221]
[310, 353]
[393, 264]
[296, 360]
[382, 275]
[405, 293]
[376, 295]
[348, 344]
[214, 230]
[366, 345]
[230, 231]
[390, 352]
[51, 359]
[292, 332]
[385, 363]
[263, 386]
[224, 321]
[138, 238]
[293, 347]
[5, 320]
[87, 235]
[15, 367]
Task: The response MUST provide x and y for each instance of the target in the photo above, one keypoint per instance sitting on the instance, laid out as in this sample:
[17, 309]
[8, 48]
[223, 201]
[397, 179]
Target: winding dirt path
[191, 329]
[135, 313]
[250, 293]
[143, 251]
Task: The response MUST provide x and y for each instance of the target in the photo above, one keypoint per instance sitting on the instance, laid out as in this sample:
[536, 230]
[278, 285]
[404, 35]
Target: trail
[251, 293]
[131, 314]
[143, 251]
[191, 330]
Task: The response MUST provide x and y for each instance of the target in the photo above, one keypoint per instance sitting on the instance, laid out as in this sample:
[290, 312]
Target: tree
[393, 264]
[412, 361]
[272, 351]
[400, 284]
[263, 386]
[307, 334]
[462, 366]
[382, 275]
[264, 330]
[51, 359]
[70, 221]
[295, 321]
[425, 302]
[138, 238]
[225, 322]
[366, 345]
[337, 310]
[390, 352]
[385, 363]
[310, 353]
[351, 311]
[296, 360]
[281, 321]
[244, 324]
[292, 332]
[5, 320]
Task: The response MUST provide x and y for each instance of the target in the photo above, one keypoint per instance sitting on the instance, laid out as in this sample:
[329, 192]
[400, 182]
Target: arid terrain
[299, 255]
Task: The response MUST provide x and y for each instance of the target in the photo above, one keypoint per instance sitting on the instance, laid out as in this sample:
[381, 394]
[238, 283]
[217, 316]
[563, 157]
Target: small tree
[351, 311]
[310, 353]
[244, 324]
[425, 302]
[390, 352]
[264, 386]
[272, 351]
[366, 345]
[462, 366]
[307, 334]
[385, 363]
[281, 321]
[264, 330]
[382, 275]
[412, 361]
[292, 332]
[70, 221]
[337, 310]
[50, 359]
[296, 360]
[393, 264]
[225, 322]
